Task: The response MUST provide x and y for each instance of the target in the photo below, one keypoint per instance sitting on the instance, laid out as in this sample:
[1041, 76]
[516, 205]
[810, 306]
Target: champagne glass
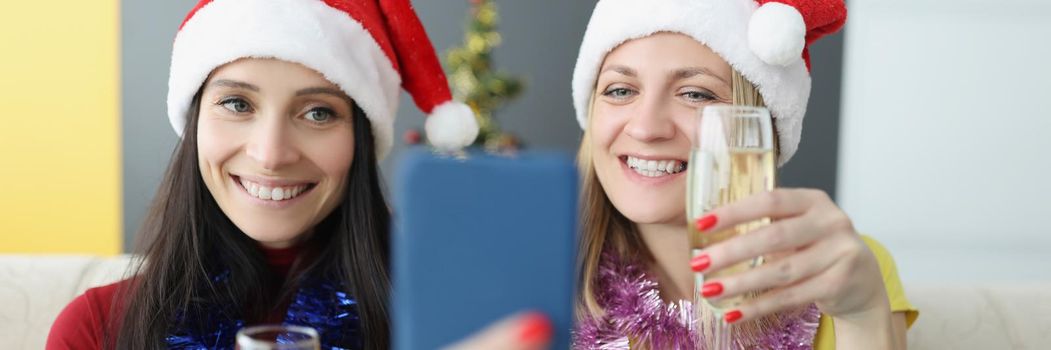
[274, 337]
[732, 158]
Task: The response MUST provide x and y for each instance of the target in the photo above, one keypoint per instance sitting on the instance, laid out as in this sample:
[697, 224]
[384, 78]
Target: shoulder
[891, 281]
[875, 246]
[886, 262]
[81, 323]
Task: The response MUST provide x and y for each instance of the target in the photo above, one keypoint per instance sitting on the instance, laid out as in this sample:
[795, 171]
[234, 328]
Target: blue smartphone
[480, 238]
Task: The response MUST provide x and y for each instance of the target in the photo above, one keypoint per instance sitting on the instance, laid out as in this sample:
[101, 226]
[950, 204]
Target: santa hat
[366, 47]
[765, 40]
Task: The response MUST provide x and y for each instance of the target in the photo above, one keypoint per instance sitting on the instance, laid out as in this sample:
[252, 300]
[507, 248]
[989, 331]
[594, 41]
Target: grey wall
[814, 164]
[540, 45]
[147, 31]
[541, 39]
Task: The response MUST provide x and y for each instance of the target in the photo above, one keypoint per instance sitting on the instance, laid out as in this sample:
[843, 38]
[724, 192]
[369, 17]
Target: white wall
[946, 135]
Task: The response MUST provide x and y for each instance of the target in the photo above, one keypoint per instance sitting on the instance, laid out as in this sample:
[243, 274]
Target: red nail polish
[700, 263]
[711, 289]
[706, 222]
[732, 316]
[534, 328]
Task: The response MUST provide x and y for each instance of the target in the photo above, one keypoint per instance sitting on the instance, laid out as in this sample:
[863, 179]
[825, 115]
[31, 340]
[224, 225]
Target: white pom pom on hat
[777, 34]
[451, 126]
[367, 48]
[765, 40]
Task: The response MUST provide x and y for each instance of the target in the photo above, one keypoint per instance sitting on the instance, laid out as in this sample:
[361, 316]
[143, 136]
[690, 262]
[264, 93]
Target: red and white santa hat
[765, 40]
[366, 47]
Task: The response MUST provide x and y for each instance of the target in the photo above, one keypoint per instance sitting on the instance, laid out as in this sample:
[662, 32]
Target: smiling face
[275, 143]
[647, 99]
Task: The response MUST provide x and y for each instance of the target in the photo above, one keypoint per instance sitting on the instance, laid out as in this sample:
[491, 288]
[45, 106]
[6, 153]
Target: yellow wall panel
[60, 155]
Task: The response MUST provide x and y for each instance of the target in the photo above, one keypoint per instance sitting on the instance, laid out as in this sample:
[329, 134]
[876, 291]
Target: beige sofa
[34, 289]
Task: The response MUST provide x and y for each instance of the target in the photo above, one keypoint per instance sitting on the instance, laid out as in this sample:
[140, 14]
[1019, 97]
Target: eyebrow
[678, 74]
[302, 92]
[235, 84]
[622, 70]
[326, 91]
[684, 73]
[320, 90]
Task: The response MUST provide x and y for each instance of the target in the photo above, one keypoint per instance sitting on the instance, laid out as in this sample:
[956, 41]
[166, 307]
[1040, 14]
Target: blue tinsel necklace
[320, 303]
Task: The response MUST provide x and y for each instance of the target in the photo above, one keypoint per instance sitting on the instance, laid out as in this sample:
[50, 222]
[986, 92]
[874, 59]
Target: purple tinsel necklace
[635, 314]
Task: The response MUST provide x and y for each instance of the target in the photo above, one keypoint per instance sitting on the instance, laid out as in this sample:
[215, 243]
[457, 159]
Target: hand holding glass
[733, 158]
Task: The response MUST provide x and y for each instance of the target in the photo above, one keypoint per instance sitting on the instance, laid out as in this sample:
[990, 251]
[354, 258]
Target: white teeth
[272, 193]
[265, 192]
[655, 168]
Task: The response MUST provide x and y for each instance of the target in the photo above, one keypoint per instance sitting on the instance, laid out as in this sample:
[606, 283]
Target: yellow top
[826, 335]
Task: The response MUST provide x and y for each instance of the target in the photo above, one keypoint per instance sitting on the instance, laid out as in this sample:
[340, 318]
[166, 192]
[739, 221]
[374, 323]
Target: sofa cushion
[35, 288]
[1014, 315]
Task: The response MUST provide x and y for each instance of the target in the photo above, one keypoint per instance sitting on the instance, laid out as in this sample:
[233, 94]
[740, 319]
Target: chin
[641, 213]
[270, 233]
[652, 217]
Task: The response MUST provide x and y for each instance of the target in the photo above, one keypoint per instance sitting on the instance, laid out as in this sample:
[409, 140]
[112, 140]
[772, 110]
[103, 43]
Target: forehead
[271, 72]
[666, 51]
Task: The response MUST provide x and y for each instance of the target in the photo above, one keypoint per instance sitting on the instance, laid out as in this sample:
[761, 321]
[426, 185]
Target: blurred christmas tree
[473, 80]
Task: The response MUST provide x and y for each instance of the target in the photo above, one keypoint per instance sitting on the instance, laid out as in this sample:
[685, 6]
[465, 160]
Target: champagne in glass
[278, 337]
[733, 158]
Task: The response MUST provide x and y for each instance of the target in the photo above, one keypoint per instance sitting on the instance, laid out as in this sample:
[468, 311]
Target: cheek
[333, 155]
[216, 143]
[602, 137]
[607, 123]
[688, 126]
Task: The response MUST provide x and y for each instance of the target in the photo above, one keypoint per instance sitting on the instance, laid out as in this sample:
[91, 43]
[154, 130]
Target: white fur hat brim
[722, 25]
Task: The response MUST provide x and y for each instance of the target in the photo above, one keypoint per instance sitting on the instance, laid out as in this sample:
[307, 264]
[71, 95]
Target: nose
[272, 144]
[653, 122]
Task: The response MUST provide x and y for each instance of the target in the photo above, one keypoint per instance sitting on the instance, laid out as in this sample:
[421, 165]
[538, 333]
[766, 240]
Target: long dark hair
[186, 240]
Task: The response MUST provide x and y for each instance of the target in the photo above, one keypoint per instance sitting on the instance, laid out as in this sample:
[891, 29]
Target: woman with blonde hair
[645, 70]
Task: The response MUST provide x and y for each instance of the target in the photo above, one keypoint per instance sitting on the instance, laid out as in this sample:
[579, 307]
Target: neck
[669, 246]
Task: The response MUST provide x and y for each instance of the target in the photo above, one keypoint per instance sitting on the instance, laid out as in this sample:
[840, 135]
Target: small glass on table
[278, 337]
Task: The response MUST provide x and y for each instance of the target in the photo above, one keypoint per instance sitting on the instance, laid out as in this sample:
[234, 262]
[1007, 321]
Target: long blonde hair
[602, 226]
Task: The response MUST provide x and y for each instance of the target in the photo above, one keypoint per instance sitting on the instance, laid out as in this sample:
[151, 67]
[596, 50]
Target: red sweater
[81, 323]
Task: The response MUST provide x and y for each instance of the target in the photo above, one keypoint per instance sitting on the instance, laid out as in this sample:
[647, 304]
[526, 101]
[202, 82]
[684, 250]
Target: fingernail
[534, 328]
[706, 222]
[711, 289]
[732, 316]
[700, 263]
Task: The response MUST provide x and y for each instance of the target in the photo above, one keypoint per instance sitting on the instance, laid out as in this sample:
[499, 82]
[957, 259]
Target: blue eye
[618, 92]
[320, 115]
[698, 96]
[236, 105]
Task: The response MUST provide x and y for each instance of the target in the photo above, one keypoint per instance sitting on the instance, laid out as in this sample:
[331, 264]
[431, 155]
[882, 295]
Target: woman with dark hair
[271, 210]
